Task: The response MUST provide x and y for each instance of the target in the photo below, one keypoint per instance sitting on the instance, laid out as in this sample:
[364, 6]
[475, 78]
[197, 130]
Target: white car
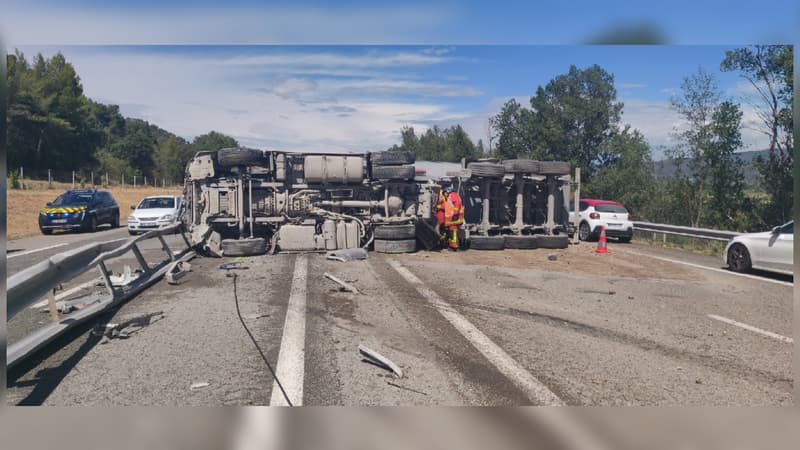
[594, 214]
[155, 212]
[770, 250]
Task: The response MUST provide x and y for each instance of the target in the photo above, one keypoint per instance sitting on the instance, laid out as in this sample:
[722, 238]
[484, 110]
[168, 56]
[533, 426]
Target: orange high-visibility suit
[450, 215]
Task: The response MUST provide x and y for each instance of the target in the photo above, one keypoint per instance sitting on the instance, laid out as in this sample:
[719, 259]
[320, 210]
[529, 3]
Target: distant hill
[668, 167]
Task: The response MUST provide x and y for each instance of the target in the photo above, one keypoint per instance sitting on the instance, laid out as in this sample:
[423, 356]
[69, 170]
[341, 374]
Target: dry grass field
[23, 205]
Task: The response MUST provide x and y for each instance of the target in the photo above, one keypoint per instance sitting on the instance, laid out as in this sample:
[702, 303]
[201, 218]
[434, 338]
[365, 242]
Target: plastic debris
[345, 285]
[197, 386]
[376, 358]
[347, 255]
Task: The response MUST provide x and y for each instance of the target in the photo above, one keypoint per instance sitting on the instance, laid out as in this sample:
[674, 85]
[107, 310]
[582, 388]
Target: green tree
[171, 157]
[711, 190]
[438, 144]
[513, 127]
[213, 141]
[770, 69]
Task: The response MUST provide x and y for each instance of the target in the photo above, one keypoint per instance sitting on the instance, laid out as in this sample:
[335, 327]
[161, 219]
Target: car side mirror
[776, 230]
[49, 204]
[133, 206]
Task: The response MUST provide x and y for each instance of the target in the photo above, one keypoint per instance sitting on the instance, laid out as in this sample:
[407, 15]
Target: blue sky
[356, 98]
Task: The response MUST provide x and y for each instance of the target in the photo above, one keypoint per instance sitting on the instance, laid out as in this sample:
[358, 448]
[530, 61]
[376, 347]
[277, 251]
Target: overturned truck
[242, 201]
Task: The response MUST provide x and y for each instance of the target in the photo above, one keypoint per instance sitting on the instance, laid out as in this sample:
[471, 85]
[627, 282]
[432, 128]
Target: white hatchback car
[594, 214]
[770, 250]
[155, 212]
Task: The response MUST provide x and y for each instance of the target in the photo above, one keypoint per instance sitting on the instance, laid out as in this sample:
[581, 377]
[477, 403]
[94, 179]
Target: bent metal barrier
[28, 286]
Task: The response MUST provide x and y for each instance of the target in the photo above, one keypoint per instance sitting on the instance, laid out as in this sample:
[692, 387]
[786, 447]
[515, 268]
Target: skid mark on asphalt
[291, 359]
[747, 327]
[724, 366]
[533, 388]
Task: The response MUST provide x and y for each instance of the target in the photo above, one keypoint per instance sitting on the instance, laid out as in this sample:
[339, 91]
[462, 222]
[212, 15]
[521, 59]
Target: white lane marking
[779, 337]
[291, 358]
[536, 391]
[727, 272]
[67, 293]
[35, 250]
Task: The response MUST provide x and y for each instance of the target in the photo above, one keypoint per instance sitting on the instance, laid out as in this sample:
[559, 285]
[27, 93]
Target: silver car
[770, 250]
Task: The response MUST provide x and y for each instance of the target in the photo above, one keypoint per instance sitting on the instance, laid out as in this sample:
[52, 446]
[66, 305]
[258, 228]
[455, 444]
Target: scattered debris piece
[125, 329]
[552, 257]
[698, 381]
[125, 278]
[347, 255]
[176, 271]
[200, 385]
[345, 285]
[406, 388]
[376, 358]
[233, 265]
[254, 316]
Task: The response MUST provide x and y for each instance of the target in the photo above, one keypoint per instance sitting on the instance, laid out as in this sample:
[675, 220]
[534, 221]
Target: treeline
[576, 117]
[51, 124]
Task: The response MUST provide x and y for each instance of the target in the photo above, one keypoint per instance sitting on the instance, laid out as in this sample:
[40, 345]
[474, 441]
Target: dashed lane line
[291, 358]
[536, 391]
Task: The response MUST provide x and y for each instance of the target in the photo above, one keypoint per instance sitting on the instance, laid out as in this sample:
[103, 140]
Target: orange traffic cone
[601, 243]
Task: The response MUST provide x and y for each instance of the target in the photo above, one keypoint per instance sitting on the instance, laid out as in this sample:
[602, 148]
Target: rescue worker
[440, 207]
[453, 216]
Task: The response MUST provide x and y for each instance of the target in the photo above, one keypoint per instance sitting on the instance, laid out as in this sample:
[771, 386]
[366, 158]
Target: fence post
[145, 181]
[134, 181]
[22, 177]
[123, 180]
[92, 178]
[73, 179]
[49, 180]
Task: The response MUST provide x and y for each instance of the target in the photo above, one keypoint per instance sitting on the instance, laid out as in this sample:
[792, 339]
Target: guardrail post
[140, 258]
[107, 278]
[51, 303]
[166, 248]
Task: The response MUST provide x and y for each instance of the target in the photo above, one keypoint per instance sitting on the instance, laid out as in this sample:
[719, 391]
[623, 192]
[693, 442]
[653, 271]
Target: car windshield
[610, 208]
[157, 202]
[72, 198]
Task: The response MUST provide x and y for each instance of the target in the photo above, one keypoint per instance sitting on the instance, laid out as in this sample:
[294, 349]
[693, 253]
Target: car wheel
[115, 221]
[132, 233]
[584, 231]
[46, 231]
[91, 224]
[395, 232]
[739, 258]
[486, 242]
[625, 239]
[400, 246]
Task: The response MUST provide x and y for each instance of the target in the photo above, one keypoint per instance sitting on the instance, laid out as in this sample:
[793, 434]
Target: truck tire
[244, 247]
[554, 168]
[525, 242]
[404, 172]
[486, 169]
[552, 241]
[400, 246]
[230, 157]
[521, 166]
[396, 232]
[486, 242]
[387, 158]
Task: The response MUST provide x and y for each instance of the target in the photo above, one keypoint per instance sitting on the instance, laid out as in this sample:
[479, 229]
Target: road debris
[176, 271]
[405, 388]
[200, 385]
[126, 277]
[552, 257]
[373, 357]
[345, 285]
[347, 255]
[233, 265]
[125, 329]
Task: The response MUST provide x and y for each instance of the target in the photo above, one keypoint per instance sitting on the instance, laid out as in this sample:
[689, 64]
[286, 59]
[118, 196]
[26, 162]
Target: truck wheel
[486, 242]
[401, 246]
[387, 158]
[244, 247]
[405, 172]
[486, 169]
[554, 168]
[521, 166]
[229, 157]
[525, 242]
[395, 232]
[552, 241]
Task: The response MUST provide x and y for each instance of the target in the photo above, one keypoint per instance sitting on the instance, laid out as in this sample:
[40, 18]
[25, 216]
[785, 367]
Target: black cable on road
[252, 338]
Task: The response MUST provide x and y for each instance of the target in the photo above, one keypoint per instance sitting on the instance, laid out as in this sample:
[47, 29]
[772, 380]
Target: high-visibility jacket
[440, 207]
[453, 210]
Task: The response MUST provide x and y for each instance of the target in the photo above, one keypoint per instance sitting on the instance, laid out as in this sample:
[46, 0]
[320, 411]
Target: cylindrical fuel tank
[334, 169]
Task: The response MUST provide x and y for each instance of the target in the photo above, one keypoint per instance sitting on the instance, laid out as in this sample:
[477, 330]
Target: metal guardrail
[28, 286]
[700, 233]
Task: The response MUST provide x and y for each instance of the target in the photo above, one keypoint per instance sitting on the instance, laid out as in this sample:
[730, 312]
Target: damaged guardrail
[700, 233]
[28, 286]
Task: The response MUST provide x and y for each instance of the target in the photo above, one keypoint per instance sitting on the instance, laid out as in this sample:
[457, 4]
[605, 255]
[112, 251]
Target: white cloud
[631, 85]
[292, 87]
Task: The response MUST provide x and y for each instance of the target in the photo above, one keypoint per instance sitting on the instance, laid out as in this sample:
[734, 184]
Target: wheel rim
[583, 232]
[738, 257]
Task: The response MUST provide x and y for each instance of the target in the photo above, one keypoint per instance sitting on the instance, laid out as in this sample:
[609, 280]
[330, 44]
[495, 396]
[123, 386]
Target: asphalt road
[473, 328]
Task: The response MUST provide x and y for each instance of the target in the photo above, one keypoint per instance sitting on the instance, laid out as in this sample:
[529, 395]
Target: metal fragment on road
[176, 271]
[233, 265]
[197, 386]
[345, 285]
[376, 358]
[347, 255]
[125, 278]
